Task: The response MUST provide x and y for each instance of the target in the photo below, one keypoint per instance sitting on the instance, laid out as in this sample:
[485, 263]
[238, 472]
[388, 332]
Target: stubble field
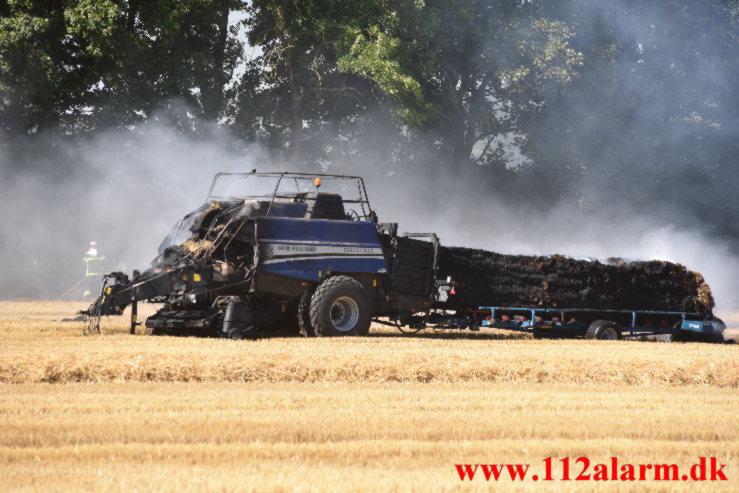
[136, 413]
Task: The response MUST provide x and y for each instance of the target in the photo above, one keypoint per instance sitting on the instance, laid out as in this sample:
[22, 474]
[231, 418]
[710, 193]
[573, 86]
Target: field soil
[387, 412]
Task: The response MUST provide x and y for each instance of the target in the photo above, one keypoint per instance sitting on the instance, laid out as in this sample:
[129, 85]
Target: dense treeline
[590, 101]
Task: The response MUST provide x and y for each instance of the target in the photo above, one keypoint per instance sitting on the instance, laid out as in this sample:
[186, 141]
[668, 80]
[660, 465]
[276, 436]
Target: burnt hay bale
[489, 278]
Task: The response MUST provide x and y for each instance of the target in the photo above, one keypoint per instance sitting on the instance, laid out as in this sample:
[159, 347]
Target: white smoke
[137, 184]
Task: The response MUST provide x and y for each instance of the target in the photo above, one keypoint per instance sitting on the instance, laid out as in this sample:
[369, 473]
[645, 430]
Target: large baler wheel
[340, 306]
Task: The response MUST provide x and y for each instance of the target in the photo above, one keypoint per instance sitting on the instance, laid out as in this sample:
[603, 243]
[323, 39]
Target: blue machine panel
[307, 249]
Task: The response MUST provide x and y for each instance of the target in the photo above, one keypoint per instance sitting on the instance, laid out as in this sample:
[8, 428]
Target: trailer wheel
[603, 330]
[340, 306]
[717, 336]
[304, 324]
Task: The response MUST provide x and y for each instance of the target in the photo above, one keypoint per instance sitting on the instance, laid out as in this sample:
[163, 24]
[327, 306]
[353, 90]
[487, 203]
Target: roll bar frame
[367, 213]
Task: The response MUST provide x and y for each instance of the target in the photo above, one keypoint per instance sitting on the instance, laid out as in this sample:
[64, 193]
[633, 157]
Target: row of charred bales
[556, 281]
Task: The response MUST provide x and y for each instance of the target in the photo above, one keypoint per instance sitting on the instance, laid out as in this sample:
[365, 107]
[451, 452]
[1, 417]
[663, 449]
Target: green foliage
[483, 64]
[86, 65]
[374, 56]
[30, 44]
[102, 63]
[541, 53]
[96, 21]
[324, 64]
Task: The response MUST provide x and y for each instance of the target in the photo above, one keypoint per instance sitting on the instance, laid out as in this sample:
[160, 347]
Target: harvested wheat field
[387, 412]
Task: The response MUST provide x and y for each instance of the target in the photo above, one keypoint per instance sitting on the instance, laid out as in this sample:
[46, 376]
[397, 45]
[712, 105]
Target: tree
[652, 119]
[484, 63]
[40, 74]
[321, 61]
[86, 65]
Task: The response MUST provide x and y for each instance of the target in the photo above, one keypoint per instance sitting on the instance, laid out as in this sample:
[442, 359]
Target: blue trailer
[572, 323]
[603, 324]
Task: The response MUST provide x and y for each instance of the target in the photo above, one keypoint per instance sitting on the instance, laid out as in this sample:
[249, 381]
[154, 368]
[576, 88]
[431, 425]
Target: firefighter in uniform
[93, 268]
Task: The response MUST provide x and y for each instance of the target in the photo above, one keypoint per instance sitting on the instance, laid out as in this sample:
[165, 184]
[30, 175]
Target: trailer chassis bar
[690, 322]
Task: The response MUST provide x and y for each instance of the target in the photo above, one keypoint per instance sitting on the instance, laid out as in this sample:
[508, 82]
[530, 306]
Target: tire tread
[318, 296]
[596, 328]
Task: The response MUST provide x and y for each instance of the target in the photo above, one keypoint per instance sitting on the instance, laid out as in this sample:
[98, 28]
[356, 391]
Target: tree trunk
[212, 90]
[462, 131]
[296, 92]
[133, 8]
[296, 120]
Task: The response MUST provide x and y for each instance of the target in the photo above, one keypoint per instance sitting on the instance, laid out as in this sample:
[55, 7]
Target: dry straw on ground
[382, 413]
[347, 437]
[38, 351]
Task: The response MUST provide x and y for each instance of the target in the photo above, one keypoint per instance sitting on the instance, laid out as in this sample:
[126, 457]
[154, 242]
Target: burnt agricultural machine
[305, 253]
[274, 251]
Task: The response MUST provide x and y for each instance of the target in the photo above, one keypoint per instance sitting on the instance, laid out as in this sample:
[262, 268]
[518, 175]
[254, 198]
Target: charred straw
[556, 281]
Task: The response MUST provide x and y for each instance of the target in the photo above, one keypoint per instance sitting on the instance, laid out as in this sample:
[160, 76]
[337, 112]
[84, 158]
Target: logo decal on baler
[291, 252]
[296, 248]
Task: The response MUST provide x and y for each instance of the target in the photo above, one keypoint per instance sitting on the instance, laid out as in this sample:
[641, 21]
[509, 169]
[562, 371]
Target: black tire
[235, 334]
[240, 333]
[676, 337]
[289, 323]
[717, 337]
[603, 330]
[340, 306]
[304, 324]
